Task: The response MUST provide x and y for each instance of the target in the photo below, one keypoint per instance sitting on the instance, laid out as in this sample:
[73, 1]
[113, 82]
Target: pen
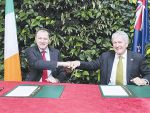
[127, 90]
[1, 88]
[35, 90]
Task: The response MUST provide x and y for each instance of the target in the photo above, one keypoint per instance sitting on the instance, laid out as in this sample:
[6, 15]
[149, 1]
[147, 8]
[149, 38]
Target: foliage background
[80, 29]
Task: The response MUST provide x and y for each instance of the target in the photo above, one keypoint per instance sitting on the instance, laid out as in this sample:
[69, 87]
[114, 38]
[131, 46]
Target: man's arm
[144, 71]
[89, 66]
[64, 64]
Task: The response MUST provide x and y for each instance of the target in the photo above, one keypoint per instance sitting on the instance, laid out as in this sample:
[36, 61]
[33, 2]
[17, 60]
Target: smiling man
[118, 67]
[45, 63]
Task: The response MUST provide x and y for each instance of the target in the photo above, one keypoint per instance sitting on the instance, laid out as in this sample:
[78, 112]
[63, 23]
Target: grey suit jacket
[136, 65]
[37, 64]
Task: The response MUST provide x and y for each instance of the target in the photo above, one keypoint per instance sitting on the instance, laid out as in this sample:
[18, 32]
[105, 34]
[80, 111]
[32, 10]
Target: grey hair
[121, 34]
[43, 29]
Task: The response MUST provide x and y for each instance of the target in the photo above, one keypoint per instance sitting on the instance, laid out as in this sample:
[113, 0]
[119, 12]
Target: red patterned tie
[44, 76]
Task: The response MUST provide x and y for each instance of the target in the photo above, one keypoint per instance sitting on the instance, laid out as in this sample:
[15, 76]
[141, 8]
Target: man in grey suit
[52, 64]
[133, 64]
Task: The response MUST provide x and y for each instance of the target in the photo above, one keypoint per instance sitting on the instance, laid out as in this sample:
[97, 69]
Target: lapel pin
[131, 59]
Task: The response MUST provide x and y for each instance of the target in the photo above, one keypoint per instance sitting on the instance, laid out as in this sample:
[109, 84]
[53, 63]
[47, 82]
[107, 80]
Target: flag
[12, 71]
[141, 27]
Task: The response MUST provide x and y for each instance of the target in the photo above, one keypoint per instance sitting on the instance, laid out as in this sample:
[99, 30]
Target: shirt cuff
[57, 80]
[79, 63]
[147, 82]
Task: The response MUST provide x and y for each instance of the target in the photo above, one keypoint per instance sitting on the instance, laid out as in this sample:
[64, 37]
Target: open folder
[125, 91]
[36, 91]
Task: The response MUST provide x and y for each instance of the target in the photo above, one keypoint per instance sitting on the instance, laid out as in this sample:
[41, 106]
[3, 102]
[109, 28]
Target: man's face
[42, 39]
[119, 45]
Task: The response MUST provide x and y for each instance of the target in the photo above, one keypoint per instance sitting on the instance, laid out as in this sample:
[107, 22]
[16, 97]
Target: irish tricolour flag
[12, 71]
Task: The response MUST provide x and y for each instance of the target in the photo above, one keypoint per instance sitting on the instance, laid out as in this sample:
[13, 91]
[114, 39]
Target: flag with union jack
[141, 27]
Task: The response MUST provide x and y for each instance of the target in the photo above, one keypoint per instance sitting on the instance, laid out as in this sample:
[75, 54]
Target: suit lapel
[110, 65]
[129, 65]
[52, 55]
[39, 54]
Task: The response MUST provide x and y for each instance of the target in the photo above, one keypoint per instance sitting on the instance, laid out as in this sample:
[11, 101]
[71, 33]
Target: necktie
[44, 76]
[119, 73]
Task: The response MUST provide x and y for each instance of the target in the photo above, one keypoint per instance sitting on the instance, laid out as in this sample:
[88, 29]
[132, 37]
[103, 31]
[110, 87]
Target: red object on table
[76, 98]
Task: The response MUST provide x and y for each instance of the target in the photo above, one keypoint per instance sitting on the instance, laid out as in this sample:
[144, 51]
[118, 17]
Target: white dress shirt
[114, 69]
[47, 55]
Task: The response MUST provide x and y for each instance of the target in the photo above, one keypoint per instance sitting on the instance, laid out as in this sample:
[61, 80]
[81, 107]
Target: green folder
[140, 91]
[133, 91]
[50, 91]
[41, 91]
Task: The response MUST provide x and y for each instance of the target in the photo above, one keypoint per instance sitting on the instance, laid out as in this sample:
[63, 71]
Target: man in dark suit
[51, 65]
[133, 65]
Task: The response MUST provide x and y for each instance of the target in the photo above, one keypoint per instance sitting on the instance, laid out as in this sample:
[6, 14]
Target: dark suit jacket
[136, 65]
[37, 64]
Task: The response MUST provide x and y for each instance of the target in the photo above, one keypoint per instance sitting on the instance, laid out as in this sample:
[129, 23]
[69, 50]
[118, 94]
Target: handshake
[69, 64]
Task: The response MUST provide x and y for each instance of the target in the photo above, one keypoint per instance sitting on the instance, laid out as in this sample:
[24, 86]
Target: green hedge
[80, 29]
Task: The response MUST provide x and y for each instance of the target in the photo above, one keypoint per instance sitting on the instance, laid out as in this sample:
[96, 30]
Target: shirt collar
[44, 50]
[124, 55]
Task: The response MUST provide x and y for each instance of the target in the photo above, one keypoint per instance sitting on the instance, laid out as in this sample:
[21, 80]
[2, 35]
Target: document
[22, 91]
[113, 91]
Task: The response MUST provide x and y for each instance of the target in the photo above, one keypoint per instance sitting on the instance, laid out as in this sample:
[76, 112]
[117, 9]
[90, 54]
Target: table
[76, 98]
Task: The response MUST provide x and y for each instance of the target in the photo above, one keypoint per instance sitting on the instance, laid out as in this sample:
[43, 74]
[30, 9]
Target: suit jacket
[136, 65]
[37, 64]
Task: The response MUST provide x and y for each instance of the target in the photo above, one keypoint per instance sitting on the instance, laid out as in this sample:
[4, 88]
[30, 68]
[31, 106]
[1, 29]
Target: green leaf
[89, 59]
[78, 44]
[88, 78]
[22, 14]
[77, 74]
[85, 73]
[33, 20]
[98, 40]
[148, 51]
[38, 17]
[98, 14]
[31, 11]
[106, 11]
[103, 18]
[42, 18]
[28, 21]
[47, 22]
[82, 57]
[72, 51]
[52, 22]
[76, 53]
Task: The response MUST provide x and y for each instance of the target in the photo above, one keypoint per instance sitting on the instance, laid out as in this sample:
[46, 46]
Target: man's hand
[138, 81]
[51, 79]
[74, 64]
[64, 64]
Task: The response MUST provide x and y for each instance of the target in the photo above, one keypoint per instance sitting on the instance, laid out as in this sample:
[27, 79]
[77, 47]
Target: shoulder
[53, 49]
[134, 54]
[34, 48]
[108, 54]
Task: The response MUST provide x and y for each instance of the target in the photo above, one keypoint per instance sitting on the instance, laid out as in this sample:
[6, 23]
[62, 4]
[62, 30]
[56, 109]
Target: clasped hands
[72, 64]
